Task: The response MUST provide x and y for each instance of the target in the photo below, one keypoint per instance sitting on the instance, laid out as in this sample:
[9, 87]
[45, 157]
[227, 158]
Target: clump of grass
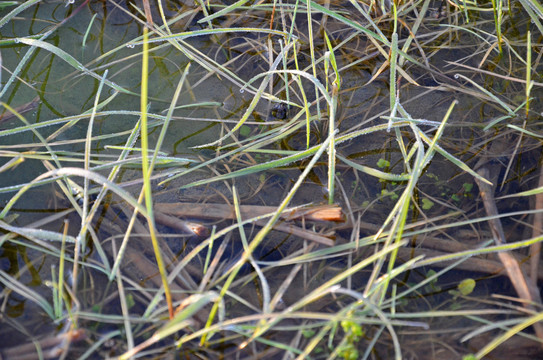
[360, 84]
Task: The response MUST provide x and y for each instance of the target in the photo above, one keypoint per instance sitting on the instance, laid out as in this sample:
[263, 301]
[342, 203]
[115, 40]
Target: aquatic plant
[270, 179]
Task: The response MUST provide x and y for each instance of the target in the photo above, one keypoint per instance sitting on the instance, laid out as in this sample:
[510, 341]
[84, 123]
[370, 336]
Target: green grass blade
[11, 283]
[72, 61]
[9, 17]
[374, 172]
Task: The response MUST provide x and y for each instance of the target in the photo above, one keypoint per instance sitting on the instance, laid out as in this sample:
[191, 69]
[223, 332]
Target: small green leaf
[390, 194]
[130, 302]
[427, 204]
[467, 187]
[466, 286]
[382, 163]
[432, 285]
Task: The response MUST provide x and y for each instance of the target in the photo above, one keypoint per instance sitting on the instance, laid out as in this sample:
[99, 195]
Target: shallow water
[214, 104]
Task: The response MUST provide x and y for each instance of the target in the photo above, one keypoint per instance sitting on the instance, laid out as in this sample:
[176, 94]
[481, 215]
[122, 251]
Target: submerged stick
[200, 230]
[225, 211]
[523, 286]
[535, 250]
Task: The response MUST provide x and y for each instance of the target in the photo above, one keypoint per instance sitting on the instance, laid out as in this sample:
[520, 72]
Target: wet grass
[346, 140]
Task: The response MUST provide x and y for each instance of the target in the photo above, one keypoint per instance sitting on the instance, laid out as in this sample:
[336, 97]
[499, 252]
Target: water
[211, 103]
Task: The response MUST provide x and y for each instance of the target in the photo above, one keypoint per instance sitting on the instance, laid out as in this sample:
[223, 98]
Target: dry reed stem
[518, 278]
[200, 230]
[225, 211]
[535, 250]
[475, 264]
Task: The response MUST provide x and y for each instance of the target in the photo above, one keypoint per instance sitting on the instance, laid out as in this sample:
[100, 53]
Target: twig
[200, 230]
[523, 287]
[535, 250]
[225, 211]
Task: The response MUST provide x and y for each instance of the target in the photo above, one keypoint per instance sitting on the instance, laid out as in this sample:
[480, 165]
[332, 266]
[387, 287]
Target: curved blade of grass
[17, 10]
[58, 173]
[490, 326]
[257, 168]
[255, 99]
[346, 21]
[310, 77]
[85, 219]
[524, 131]
[535, 11]
[85, 115]
[223, 11]
[99, 343]
[31, 233]
[374, 172]
[22, 62]
[506, 107]
[191, 53]
[289, 159]
[84, 41]
[453, 159]
[535, 191]
[72, 61]
[205, 32]
[508, 334]
[190, 307]
[11, 283]
[7, 3]
[263, 281]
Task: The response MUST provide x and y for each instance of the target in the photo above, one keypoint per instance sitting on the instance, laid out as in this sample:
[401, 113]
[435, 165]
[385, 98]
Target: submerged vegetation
[280, 179]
